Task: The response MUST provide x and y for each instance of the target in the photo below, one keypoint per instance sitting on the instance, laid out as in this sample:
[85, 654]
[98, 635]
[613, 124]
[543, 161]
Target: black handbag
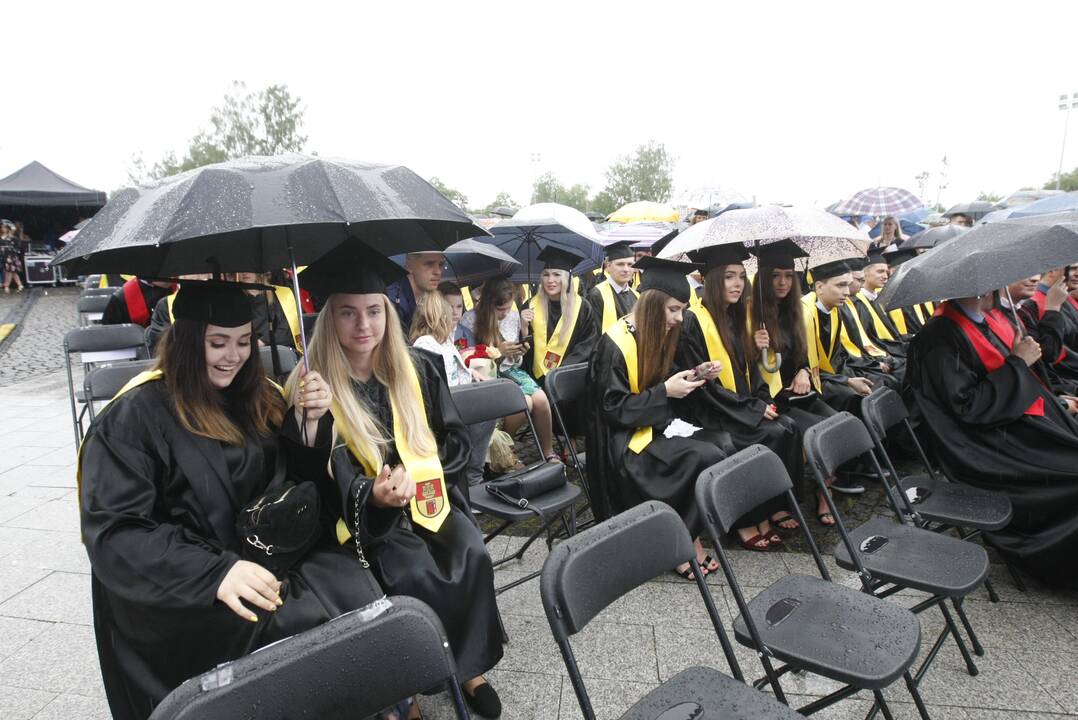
[522, 487]
[277, 529]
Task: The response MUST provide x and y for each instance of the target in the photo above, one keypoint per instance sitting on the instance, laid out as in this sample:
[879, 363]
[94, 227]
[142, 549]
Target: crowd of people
[688, 362]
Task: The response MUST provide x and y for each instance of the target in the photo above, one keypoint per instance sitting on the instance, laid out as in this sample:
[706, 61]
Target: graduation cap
[667, 276]
[555, 258]
[832, 269]
[875, 256]
[214, 302]
[895, 258]
[778, 255]
[619, 250]
[351, 268]
[718, 255]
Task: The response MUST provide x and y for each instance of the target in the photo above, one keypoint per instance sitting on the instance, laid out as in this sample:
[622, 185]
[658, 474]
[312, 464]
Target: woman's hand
[510, 349]
[251, 582]
[1057, 294]
[1028, 349]
[527, 315]
[393, 488]
[708, 370]
[802, 382]
[770, 412]
[681, 384]
[762, 339]
[478, 376]
[314, 397]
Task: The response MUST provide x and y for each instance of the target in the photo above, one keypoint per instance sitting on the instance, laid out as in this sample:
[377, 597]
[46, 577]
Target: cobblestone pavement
[38, 341]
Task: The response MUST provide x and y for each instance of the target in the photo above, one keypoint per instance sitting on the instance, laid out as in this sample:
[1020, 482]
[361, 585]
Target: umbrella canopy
[259, 213]
[535, 227]
[35, 184]
[879, 201]
[703, 197]
[975, 210]
[984, 259]
[472, 261]
[822, 235]
[930, 238]
[644, 211]
[1025, 197]
[997, 215]
[641, 234]
[1064, 202]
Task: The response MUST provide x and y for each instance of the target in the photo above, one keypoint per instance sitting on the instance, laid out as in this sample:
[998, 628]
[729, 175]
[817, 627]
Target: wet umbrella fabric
[640, 234]
[930, 238]
[879, 201]
[248, 214]
[984, 259]
[472, 261]
[975, 210]
[535, 227]
[1065, 202]
[820, 234]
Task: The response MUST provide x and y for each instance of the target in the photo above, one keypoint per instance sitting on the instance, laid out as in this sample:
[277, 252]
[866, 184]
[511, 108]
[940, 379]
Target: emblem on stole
[429, 497]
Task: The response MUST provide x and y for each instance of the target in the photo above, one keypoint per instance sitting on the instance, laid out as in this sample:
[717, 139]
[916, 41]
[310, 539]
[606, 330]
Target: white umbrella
[822, 235]
[703, 197]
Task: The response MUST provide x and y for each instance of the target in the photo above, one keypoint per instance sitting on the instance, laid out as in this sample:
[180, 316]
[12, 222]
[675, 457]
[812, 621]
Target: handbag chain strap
[359, 546]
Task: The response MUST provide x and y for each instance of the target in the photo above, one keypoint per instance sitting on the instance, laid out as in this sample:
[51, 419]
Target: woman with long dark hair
[165, 471]
[638, 449]
[390, 457]
[739, 403]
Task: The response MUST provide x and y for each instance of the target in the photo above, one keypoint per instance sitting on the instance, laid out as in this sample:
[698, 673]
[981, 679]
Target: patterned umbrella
[822, 235]
[703, 197]
[879, 201]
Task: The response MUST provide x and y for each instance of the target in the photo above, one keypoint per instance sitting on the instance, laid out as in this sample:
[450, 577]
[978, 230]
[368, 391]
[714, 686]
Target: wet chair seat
[960, 505]
[702, 692]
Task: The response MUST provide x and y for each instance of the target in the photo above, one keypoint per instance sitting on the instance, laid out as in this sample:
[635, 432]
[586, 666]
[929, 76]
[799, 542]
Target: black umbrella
[984, 259]
[930, 238]
[258, 214]
[471, 261]
[975, 210]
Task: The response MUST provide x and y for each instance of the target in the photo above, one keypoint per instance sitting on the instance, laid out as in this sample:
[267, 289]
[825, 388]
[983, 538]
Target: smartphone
[701, 370]
[527, 339]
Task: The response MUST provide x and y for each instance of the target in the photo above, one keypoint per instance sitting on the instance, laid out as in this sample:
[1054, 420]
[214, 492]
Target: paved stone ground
[36, 346]
[48, 660]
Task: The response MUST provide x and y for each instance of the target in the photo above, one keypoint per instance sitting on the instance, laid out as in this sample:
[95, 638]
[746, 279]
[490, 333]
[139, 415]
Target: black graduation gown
[449, 570]
[158, 509]
[665, 470]
[804, 414]
[738, 413]
[1059, 363]
[837, 392]
[624, 302]
[116, 312]
[895, 347]
[983, 438]
[1070, 325]
[867, 365]
[579, 350]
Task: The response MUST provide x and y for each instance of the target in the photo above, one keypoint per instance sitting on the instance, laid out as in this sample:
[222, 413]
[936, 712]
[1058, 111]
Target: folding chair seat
[351, 667]
[99, 344]
[91, 308]
[490, 400]
[91, 281]
[890, 556]
[583, 575]
[102, 383]
[96, 291]
[809, 623]
[931, 497]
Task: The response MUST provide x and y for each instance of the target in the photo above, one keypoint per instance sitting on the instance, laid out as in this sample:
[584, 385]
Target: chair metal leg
[882, 705]
[992, 596]
[977, 649]
[916, 694]
[458, 700]
[971, 666]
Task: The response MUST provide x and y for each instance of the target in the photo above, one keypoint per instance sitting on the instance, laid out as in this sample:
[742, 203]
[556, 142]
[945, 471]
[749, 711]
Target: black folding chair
[287, 359]
[96, 292]
[490, 400]
[565, 385]
[99, 344]
[102, 383]
[92, 281]
[809, 623]
[351, 667]
[582, 576]
[931, 499]
[889, 556]
[91, 308]
[308, 323]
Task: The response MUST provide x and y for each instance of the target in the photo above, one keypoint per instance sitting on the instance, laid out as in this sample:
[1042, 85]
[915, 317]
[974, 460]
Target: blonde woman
[387, 456]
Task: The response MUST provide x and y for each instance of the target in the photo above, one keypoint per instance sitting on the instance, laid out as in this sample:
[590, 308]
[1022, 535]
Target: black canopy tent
[46, 203]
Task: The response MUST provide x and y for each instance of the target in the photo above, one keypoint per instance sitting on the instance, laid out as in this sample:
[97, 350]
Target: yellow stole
[819, 356]
[882, 331]
[626, 343]
[899, 318]
[610, 305]
[848, 343]
[430, 506]
[466, 297]
[715, 349]
[546, 356]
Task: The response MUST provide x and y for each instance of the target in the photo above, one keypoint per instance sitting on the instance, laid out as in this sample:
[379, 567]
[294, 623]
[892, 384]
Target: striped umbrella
[879, 201]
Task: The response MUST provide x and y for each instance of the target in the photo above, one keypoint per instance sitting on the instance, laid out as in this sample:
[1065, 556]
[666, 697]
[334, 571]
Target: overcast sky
[801, 102]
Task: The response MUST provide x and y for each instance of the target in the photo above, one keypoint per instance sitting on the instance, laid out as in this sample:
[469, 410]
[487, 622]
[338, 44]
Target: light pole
[1065, 106]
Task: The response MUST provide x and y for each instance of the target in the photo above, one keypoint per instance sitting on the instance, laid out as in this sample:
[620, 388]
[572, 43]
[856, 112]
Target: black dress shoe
[485, 701]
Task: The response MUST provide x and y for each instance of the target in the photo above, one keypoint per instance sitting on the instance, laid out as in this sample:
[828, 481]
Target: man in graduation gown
[875, 320]
[614, 297]
[134, 302]
[994, 425]
[842, 377]
[1042, 317]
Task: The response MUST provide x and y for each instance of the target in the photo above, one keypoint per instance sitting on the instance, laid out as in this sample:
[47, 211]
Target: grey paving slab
[609, 698]
[21, 455]
[661, 603]
[22, 704]
[43, 493]
[60, 597]
[12, 507]
[521, 600]
[1056, 672]
[525, 696]
[62, 515]
[28, 474]
[62, 659]
[15, 578]
[66, 554]
[533, 559]
[1014, 626]
[56, 457]
[531, 649]
[16, 632]
[31, 438]
[68, 707]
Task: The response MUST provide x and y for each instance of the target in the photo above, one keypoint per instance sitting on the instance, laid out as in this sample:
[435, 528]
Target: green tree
[502, 199]
[263, 122]
[604, 203]
[645, 175]
[547, 188]
[454, 196]
[1068, 182]
[989, 197]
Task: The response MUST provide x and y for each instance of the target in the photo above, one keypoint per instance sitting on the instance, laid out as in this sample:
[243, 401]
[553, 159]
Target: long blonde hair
[568, 303]
[433, 317]
[390, 363]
